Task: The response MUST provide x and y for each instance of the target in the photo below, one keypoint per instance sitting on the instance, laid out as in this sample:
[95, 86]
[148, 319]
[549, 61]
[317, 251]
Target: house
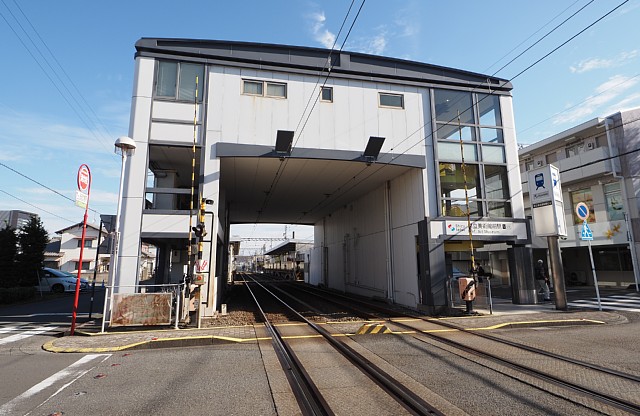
[69, 246]
[599, 163]
[384, 157]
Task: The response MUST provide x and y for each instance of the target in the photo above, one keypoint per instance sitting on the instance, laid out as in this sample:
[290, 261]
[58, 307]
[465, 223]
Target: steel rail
[592, 394]
[411, 401]
[308, 396]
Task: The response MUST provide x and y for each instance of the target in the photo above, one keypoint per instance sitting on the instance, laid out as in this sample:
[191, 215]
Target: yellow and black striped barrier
[373, 329]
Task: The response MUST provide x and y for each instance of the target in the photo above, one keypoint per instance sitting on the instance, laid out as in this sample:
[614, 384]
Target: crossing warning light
[199, 230]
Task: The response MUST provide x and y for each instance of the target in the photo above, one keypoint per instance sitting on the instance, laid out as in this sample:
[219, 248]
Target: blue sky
[68, 109]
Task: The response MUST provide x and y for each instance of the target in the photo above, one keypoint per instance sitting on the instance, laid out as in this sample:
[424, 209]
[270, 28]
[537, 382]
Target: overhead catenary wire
[283, 164]
[430, 134]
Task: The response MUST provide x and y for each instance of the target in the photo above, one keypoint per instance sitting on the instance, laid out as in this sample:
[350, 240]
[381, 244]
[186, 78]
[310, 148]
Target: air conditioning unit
[589, 145]
[538, 163]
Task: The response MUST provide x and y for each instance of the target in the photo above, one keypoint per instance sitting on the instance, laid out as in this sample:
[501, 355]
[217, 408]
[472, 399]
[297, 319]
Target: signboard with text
[545, 194]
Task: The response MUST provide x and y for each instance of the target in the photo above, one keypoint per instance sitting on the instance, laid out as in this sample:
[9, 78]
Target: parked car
[57, 281]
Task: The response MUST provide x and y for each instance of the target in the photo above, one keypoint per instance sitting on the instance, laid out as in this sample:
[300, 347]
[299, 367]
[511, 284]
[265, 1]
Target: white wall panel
[169, 110]
[174, 133]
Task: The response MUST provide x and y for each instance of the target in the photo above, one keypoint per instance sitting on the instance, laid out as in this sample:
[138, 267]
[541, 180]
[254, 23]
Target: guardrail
[140, 305]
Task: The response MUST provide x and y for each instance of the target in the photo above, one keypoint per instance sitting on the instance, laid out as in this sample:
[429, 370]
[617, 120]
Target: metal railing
[138, 292]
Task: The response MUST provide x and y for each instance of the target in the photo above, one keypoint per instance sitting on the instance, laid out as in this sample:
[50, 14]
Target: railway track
[292, 344]
[586, 384]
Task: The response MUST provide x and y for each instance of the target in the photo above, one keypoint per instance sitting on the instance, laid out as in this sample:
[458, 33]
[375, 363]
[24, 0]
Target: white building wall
[360, 259]
[134, 186]
[345, 124]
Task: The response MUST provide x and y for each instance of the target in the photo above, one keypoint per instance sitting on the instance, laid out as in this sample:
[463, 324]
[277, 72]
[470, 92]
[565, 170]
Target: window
[493, 154]
[449, 104]
[87, 243]
[454, 132]
[528, 164]
[85, 265]
[252, 87]
[452, 189]
[326, 94]
[276, 90]
[491, 135]
[451, 151]
[391, 100]
[177, 80]
[613, 200]
[551, 158]
[583, 195]
[273, 89]
[489, 110]
[575, 149]
[612, 259]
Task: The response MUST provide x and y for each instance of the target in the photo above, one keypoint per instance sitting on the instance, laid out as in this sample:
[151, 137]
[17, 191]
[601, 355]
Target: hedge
[16, 294]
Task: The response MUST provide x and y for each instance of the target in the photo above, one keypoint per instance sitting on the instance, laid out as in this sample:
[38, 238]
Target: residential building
[15, 218]
[367, 149]
[599, 164]
[70, 245]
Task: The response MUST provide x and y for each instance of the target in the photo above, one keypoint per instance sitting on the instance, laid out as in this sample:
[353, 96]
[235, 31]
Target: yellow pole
[466, 197]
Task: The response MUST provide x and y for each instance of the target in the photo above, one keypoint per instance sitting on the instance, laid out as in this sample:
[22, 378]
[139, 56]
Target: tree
[8, 252]
[33, 239]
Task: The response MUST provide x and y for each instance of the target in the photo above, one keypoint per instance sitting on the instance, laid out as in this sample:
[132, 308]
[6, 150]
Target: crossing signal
[199, 230]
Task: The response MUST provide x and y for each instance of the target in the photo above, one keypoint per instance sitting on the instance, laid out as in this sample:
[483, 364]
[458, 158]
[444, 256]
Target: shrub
[16, 294]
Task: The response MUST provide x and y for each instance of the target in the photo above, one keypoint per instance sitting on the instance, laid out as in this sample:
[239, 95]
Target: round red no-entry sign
[84, 178]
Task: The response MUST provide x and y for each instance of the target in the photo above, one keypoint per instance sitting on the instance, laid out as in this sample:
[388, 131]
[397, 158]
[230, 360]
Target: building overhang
[315, 183]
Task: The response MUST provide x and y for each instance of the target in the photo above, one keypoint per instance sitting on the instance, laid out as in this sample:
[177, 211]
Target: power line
[282, 166]
[36, 207]
[75, 108]
[43, 185]
[431, 133]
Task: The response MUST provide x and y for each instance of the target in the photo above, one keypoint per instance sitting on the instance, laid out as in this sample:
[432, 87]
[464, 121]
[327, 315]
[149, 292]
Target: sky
[67, 73]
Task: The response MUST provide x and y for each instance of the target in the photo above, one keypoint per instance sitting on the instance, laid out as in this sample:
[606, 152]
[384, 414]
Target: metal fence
[141, 305]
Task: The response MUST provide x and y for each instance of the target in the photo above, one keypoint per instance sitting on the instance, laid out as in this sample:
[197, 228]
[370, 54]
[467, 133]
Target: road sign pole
[84, 183]
[595, 278]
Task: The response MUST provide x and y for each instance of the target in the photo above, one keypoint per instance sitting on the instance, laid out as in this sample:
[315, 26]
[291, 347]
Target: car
[57, 281]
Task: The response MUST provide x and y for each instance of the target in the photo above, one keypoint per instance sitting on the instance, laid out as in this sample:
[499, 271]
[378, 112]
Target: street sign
[84, 178]
[582, 211]
[586, 233]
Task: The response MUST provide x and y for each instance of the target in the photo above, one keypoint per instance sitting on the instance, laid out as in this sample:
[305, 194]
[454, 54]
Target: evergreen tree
[33, 239]
[8, 252]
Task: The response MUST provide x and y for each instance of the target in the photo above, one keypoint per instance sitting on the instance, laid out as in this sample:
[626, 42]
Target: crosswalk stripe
[26, 334]
[8, 329]
[616, 302]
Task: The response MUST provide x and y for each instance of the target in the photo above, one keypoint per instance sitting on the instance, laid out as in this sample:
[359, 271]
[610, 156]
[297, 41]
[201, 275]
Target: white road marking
[26, 334]
[71, 373]
[8, 329]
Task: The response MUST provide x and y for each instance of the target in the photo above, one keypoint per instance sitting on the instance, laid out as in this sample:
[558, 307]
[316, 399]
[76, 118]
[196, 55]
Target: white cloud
[320, 33]
[603, 94]
[598, 63]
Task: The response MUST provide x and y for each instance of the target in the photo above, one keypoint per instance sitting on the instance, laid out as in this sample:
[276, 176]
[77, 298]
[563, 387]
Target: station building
[599, 164]
[367, 149]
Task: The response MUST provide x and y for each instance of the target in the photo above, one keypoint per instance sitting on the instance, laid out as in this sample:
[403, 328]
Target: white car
[57, 281]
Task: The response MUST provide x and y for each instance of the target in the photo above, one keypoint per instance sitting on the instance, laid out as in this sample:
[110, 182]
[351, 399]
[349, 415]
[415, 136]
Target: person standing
[540, 274]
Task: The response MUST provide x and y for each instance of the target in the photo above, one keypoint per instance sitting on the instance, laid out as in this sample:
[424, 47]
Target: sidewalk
[89, 339]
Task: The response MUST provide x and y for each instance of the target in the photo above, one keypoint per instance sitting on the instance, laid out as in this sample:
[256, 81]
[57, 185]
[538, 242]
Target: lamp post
[124, 146]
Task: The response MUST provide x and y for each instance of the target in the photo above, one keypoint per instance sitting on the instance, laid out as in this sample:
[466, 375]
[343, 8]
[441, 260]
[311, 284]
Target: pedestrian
[540, 274]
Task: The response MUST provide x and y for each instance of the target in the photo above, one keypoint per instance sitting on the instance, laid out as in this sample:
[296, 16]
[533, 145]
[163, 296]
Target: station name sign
[545, 194]
[479, 228]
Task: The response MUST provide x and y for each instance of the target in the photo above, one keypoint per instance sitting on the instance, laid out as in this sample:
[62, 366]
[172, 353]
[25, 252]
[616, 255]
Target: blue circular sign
[582, 210]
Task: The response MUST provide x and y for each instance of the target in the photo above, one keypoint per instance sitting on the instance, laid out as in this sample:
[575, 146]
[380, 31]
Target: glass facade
[613, 201]
[476, 121]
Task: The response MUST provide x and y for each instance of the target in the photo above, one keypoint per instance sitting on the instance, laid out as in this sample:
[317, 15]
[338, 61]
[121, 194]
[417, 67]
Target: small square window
[276, 90]
[326, 94]
[252, 87]
[391, 100]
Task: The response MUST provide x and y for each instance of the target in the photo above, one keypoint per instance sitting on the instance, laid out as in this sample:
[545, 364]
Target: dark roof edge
[316, 60]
